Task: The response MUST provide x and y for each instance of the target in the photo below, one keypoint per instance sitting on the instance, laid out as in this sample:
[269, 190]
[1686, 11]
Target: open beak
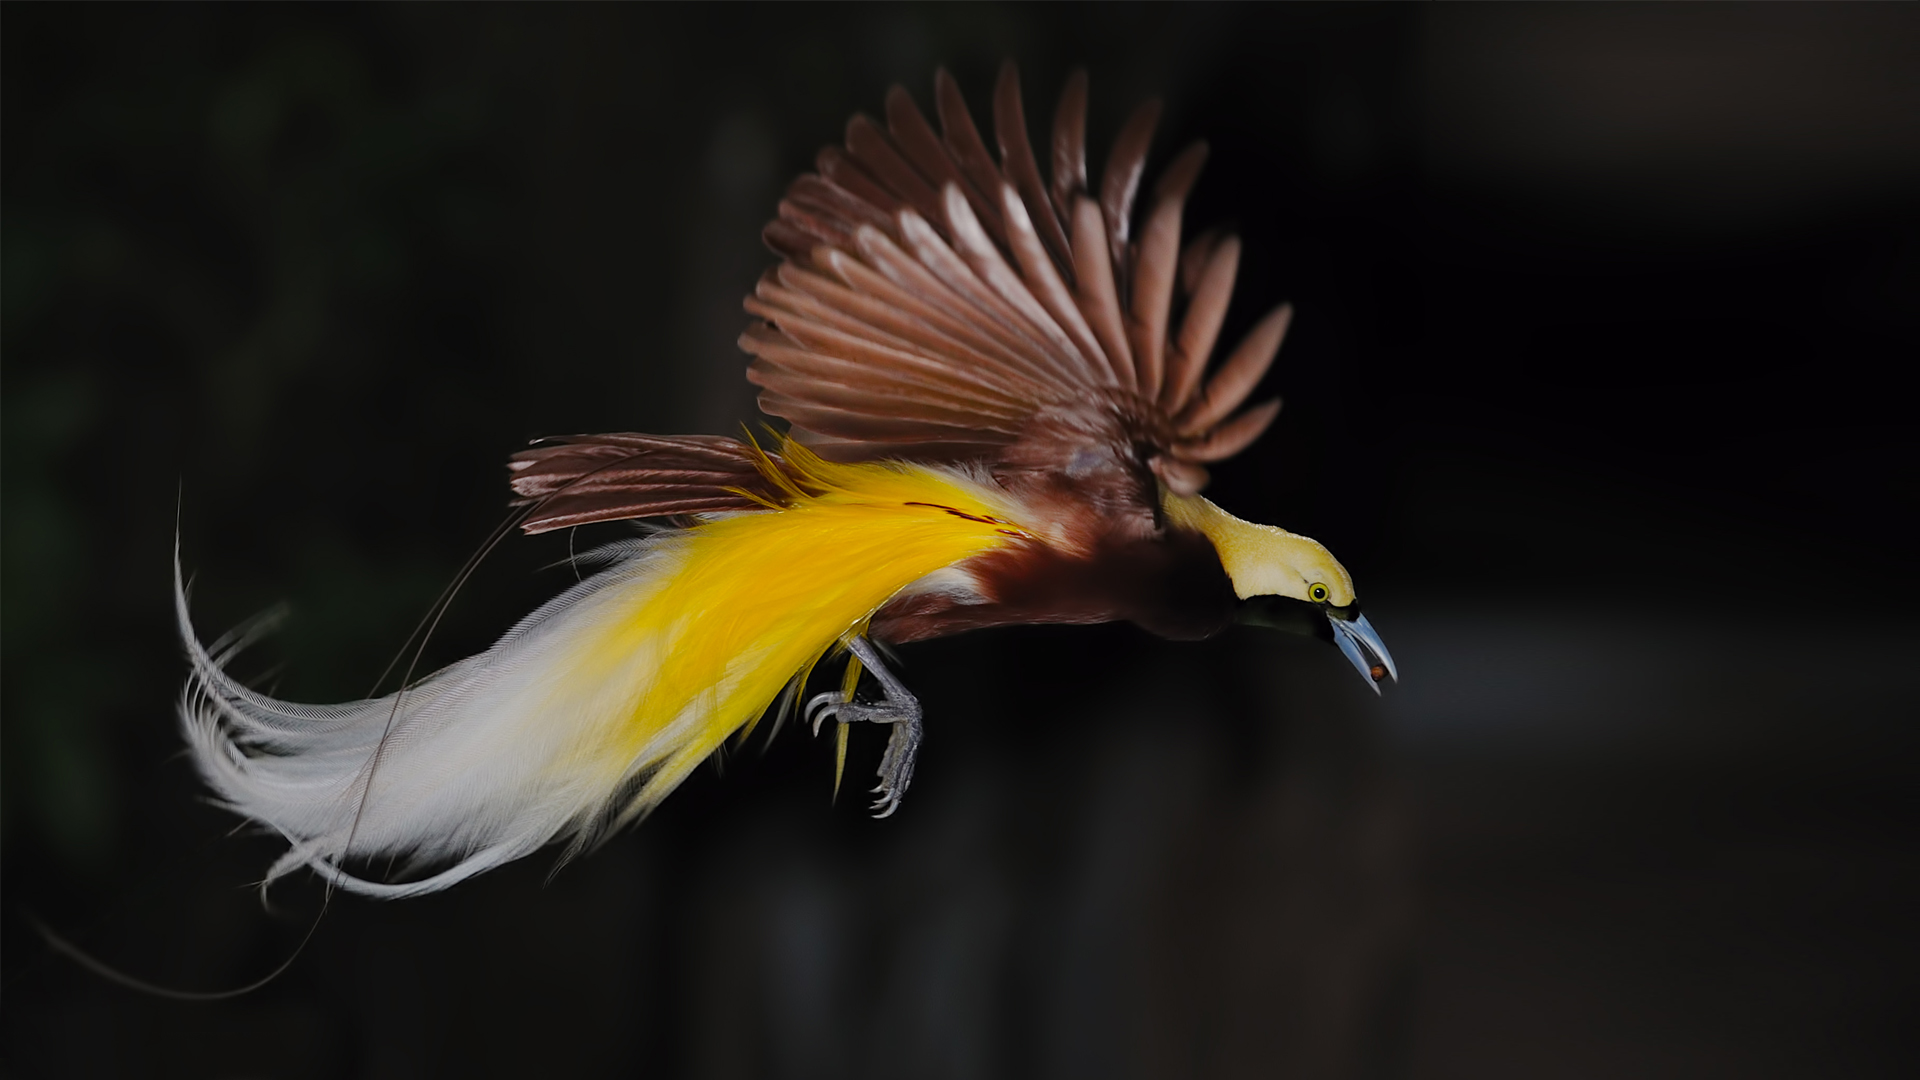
[1362, 645]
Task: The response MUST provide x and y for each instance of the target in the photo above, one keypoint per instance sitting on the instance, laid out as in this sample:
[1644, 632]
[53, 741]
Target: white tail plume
[479, 764]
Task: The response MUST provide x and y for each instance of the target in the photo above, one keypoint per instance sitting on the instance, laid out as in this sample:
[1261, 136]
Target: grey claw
[898, 709]
[820, 707]
[896, 765]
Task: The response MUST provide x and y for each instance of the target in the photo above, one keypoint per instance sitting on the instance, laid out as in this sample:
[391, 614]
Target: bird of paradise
[993, 421]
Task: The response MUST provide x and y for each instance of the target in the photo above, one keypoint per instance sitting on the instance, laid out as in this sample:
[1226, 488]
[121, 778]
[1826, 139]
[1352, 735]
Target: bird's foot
[896, 707]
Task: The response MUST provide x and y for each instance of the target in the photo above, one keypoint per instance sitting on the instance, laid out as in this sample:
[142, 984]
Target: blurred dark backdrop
[1602, 314]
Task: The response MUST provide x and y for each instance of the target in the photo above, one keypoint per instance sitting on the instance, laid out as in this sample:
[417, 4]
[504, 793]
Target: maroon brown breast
[1171, 585]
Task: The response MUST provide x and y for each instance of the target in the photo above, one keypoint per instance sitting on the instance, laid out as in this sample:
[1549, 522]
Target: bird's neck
[1261, 560]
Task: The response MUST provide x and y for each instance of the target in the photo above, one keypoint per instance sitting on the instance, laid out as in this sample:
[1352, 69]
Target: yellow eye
[1318, 592]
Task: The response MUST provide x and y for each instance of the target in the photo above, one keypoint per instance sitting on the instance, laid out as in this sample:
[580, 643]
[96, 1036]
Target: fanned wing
[937, 303]
[577, 480]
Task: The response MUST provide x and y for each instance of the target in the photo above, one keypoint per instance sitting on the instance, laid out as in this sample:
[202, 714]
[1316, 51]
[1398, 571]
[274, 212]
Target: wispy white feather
[597, 705]
[474, 766]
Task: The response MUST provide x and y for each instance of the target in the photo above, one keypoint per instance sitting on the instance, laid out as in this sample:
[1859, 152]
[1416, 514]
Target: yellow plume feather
[631, 678]
[758, 598]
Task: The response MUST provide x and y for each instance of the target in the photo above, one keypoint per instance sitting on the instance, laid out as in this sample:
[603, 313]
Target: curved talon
[825, 705]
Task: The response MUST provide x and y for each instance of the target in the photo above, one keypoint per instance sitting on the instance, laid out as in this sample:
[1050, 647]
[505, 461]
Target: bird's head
[1286, 581]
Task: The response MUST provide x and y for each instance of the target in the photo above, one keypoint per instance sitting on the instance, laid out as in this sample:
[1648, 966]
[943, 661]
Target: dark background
[1596, 385]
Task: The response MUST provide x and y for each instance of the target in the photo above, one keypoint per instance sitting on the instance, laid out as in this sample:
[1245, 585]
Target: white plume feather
[597, 705]
[476, 765]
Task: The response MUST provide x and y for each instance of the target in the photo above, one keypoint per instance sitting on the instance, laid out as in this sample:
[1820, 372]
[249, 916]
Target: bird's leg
[896, 707]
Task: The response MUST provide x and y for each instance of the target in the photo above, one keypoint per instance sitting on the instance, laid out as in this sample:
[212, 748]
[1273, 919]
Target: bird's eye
[1318, 592]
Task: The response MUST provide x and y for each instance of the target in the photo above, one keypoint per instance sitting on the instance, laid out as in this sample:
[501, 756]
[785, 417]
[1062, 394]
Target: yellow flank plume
[752, 601]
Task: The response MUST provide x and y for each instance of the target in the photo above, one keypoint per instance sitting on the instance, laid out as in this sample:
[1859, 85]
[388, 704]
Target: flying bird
[994, 418]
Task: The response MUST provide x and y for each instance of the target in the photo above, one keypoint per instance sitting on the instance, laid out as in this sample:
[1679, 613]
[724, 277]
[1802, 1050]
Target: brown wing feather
[1098, 293]
[1237, 377]
[1017, 160]
[962, 138]
[927, 265]
[580, 479]
[1121, 178]
[847, 173]
[1049, 289]
[1070, 145]
[1157, 265]
[934, 304]
[1014, 290]
[885, 314]
[813, 325]
[1231, 437]
[875, 154]
[1196, 255]
[892, 278]
[921, 146]
[936, 297]
[1206, 310]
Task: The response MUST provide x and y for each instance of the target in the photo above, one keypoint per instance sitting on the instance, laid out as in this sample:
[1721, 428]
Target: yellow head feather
[1263, 560]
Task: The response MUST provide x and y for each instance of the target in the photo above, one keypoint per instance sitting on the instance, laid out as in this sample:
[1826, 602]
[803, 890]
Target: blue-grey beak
[1362, 645]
